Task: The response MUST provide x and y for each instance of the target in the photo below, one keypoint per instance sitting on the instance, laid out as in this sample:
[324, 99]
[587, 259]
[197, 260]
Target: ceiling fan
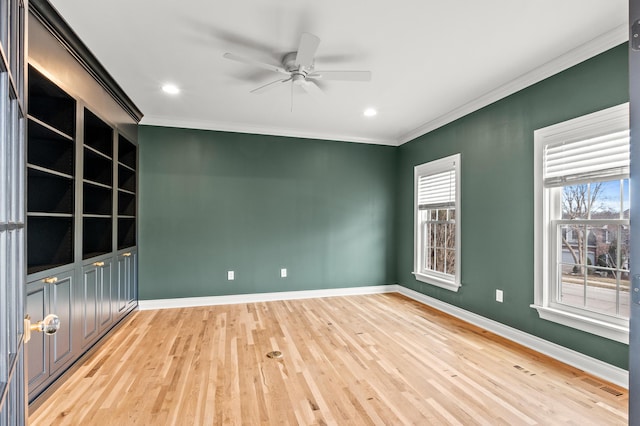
[299, 68]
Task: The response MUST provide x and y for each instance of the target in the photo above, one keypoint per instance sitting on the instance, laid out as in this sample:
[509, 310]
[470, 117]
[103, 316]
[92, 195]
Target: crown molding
[588, 50]
[150, 120]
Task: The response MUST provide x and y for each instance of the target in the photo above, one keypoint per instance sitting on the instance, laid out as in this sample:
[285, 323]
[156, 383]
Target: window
[437, 228]
[582, 223]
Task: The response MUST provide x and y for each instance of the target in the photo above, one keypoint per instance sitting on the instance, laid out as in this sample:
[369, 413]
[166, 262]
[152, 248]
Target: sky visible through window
[609, 197]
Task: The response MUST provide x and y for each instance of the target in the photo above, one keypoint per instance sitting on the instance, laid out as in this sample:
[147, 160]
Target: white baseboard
[576, 359]
[188, 302]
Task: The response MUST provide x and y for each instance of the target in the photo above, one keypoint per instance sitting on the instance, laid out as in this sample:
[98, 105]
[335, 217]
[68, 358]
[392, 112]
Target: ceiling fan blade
[312, 88]
[268, 86]
[253, 62]
[307, 49]
[341, 75]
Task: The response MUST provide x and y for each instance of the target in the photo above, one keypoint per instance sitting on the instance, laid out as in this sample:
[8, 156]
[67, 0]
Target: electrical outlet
[231, 275]
[283, 273]
[499, 296]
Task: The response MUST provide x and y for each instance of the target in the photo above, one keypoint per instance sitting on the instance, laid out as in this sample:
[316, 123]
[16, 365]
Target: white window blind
[603, 157]
[437, 190]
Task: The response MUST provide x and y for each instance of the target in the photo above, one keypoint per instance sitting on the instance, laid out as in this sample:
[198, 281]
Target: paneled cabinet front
[96, 304]
[127, 282]
[46, 355]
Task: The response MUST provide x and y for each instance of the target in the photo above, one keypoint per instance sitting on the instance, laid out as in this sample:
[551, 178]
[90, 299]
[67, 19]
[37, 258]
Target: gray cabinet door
[121, 298]
[47, 354]
[89, 303]
[105, 308]
[132, 278]
[38, 346]
[60, 295]
[96, 312]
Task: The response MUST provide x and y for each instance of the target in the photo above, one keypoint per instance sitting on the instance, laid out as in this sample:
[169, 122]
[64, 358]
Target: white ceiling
[431, 61]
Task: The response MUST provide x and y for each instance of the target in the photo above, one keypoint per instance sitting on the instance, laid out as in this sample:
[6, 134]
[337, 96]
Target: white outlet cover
[231, 275]
[499, 296]
[283, 273]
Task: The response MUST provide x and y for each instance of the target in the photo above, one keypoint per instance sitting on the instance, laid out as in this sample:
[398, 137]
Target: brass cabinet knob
[50, 280]
[100, 264]
[127, 254]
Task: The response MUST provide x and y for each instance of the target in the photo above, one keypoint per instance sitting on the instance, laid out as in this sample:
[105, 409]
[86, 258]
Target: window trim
[435, 278]
[606, 121]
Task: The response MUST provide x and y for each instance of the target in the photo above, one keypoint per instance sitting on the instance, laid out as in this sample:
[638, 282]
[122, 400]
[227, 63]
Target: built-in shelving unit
[127, 161]
[50, 174]
[81, 198]
[97, 185]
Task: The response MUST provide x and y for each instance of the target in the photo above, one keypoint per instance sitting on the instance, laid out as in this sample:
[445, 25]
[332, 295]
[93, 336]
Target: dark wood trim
[51, 19]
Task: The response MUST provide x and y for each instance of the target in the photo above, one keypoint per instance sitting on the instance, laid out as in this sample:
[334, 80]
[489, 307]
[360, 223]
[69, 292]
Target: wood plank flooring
[357, 360]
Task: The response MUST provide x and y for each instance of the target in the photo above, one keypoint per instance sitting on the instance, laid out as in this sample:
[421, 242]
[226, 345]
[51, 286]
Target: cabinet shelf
[50, 104]
[97, 200]
[97, 134]
[97, 168]
[50, 149]
[37, 214]
[126, 204]
[95, 151]
[96, 236]
[127, 153]
[49, 242]
[48, 171]
[49, 192]
[41, 124]
[126, 232]
[101, 185]
[126, 167]
[126, 179]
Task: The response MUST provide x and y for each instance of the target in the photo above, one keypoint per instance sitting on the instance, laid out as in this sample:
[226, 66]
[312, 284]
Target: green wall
[496, 144]
[340, 214]
[214, 201]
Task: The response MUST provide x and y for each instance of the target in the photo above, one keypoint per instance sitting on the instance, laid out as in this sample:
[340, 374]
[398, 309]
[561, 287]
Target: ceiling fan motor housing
[289, 62]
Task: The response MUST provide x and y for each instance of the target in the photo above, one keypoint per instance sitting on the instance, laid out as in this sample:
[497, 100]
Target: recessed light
[370, 112]
[171, 89]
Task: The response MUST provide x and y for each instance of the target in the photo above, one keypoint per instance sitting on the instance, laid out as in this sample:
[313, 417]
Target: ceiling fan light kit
[299, 68]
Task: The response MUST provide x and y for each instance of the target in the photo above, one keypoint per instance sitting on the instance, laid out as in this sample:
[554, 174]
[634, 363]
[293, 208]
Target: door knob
[49, 325]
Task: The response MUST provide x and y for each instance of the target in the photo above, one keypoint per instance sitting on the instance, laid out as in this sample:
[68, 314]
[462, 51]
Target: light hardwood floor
[357, 360]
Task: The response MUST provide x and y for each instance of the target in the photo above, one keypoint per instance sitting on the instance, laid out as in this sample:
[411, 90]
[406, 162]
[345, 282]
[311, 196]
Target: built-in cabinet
[127, 291]
[81, 226]
[48, 354]
[96, 300]
[81, 195]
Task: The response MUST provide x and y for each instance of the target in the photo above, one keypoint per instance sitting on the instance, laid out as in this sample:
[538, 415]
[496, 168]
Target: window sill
[616, 332]
[437, 281]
